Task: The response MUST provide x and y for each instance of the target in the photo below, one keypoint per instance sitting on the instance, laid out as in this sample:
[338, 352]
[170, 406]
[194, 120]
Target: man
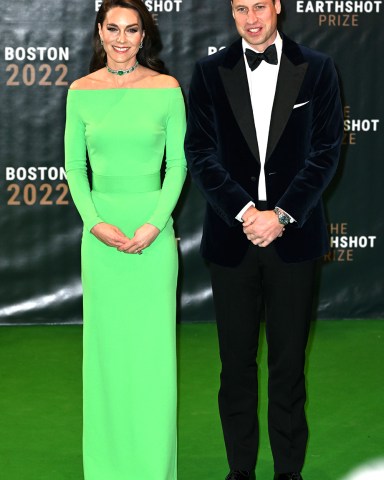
[263, 142]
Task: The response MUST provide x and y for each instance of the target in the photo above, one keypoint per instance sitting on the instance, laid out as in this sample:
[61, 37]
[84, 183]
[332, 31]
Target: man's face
[256, 21]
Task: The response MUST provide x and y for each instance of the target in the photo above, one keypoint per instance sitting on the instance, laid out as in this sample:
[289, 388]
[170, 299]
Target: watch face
[283, 219]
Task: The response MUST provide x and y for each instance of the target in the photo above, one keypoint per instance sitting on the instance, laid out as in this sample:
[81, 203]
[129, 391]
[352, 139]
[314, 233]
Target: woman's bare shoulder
[93, 81]
[164, 81]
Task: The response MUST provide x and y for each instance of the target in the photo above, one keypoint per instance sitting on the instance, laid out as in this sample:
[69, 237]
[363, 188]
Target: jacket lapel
[291, 75]
[234, 78]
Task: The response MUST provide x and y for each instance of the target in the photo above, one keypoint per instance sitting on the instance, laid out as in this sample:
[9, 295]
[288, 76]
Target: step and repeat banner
[47, 45]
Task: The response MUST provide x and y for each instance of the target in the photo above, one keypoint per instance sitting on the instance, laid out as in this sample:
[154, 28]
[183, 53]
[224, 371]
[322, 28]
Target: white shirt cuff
[243, 210]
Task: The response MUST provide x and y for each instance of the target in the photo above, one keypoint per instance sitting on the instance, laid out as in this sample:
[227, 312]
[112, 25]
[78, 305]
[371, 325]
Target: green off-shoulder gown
[129, 359]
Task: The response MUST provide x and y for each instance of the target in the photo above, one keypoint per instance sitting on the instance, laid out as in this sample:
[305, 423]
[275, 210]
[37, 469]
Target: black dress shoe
[288, 476]
[238, 475]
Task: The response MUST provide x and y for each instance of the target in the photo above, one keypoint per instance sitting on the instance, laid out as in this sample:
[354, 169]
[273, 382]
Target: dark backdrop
[46, 45]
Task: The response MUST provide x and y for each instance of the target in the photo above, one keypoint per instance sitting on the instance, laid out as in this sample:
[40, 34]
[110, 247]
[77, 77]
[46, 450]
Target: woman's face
[121, 33]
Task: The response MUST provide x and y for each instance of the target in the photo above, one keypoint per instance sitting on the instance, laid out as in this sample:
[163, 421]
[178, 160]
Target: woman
[124, 115]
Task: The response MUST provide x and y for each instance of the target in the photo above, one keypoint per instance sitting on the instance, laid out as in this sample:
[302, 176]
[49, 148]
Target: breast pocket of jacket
[300, 117]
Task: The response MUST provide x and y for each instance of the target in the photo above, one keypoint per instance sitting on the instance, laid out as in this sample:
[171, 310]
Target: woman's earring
[101, 41]
[141, 44]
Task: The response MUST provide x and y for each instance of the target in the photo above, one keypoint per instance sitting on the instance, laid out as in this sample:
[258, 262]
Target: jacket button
[253, 179]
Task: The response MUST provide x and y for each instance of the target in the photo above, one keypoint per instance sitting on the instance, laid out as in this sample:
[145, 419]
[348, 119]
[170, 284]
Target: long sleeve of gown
[76, 164]
[175, 172]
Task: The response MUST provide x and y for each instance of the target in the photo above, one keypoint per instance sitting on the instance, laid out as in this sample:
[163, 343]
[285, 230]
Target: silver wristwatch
[284, 219]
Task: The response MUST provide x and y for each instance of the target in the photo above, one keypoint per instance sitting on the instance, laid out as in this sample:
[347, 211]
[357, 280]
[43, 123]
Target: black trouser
[263, 283]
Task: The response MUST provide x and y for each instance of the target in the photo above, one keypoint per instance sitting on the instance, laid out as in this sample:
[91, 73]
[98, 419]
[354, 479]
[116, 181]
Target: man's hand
[261, 227]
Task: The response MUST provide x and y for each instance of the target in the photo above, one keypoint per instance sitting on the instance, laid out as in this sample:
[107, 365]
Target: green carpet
[40, 402]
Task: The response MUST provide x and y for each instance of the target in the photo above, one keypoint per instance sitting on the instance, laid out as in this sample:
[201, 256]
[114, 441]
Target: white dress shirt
[262, 86]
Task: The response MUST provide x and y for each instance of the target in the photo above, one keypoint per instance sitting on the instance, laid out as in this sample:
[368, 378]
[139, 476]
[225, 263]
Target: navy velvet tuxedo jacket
[303, 149]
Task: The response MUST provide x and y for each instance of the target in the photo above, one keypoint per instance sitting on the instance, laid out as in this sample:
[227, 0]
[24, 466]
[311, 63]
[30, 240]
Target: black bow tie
[254, 59]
